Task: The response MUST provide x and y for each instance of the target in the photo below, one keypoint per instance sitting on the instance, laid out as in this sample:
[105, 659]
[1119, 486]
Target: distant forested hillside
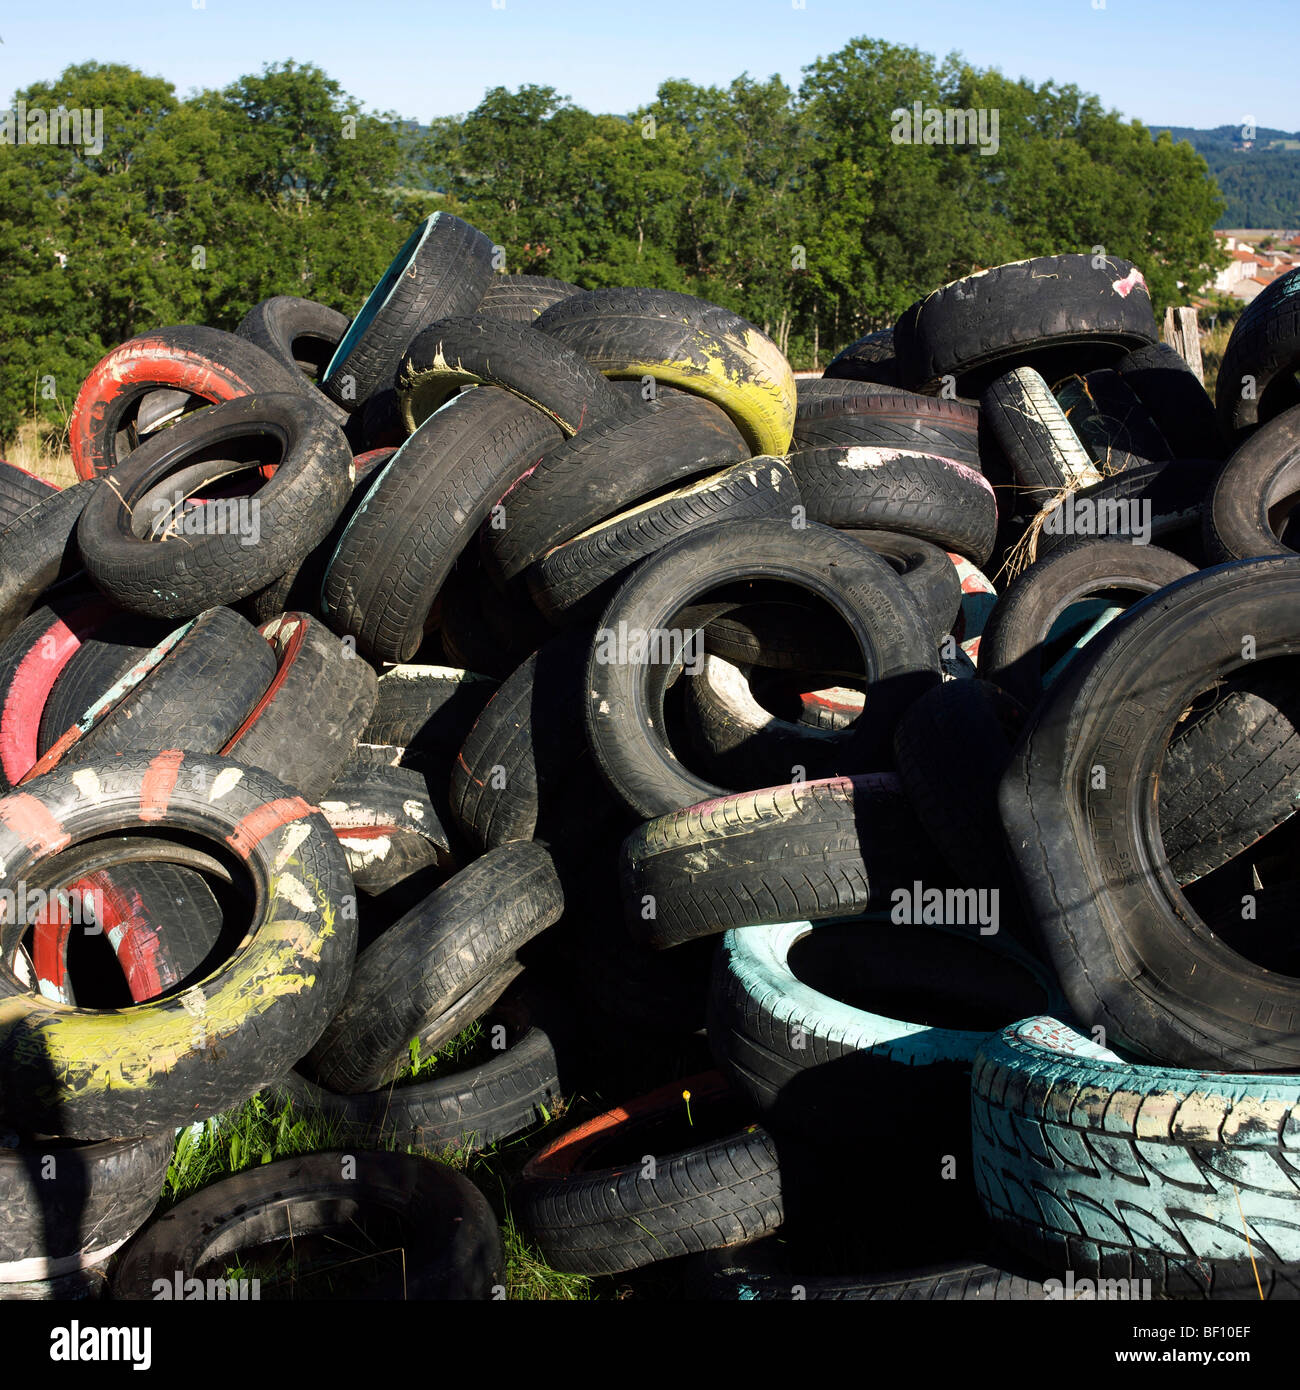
[1262, 184]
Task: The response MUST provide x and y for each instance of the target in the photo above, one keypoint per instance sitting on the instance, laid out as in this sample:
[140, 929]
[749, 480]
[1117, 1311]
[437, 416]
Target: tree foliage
[798, 209]
[192, 212]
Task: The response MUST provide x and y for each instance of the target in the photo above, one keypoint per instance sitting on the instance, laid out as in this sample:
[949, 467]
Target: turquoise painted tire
[856, 1054]
[773, 1031]
[1113, 1170]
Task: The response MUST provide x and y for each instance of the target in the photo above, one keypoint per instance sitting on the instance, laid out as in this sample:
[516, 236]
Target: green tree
[192, 212]
[802, 210]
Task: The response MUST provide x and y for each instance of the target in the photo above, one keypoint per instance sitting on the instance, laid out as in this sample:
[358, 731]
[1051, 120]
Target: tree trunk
[783, 333]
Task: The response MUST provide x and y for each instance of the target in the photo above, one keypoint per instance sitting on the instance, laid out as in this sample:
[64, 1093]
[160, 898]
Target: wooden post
[1183, 335]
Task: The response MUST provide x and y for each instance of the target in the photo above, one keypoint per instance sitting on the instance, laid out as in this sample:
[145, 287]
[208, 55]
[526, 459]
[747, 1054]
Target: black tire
[422, 511]
[1046, 312]
[298, 588]
[471, 615]
[172, 922]
[520, 298]
[450, 1243]
[951, 749]
[625, 695]
[305, 725]
[1014, 646]
[141, 565]
[202, 365]
[764, 1271]
[802, 1014]
[440, 272]
[819, 700]
[408, 983]
[924, 423]
[1175, 494]
[161, 408]
[910, 490]
[806, 851]
[1264, 346]
[868, 359]
[386, 823]
[526, 771]
[171, 1061]
[20, 491]
[1181, 995]
[468, 1108]
[686, 342]
[738, 741]
[1210, 1154]
[68, 1207]
[455, 352]
[428, 709]
[724, 1189]
[1176, 399]
[1110, 420]
[39, 549]
[298, 333]
[103, 658]
[780, 636]
[192, 692]
[1251, 504]
[925, 569]
[815, 392]
[608, 467]
[377, 422]
[576, 579]
[1232, 774]
[1037, 440]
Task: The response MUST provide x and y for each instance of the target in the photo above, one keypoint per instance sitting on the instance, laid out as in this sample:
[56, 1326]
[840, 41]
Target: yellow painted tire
[685, 342]
[91, 1074]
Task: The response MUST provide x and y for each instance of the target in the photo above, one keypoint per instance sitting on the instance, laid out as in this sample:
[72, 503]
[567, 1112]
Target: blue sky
[437, 57]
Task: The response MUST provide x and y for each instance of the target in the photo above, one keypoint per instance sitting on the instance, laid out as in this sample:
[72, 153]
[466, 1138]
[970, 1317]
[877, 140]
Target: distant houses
[1251, 269]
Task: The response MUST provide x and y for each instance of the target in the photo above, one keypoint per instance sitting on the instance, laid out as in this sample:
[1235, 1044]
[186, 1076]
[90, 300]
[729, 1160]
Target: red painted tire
[203, 362]
[161, 921]
[30, 662]
[192, 690]
[594, 1205]
[307, 722]
[84, 1073]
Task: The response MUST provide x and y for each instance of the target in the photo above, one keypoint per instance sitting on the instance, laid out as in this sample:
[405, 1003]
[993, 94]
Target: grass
[460, 1051]
[1213, 344]
[257, 1132]
[42, 450]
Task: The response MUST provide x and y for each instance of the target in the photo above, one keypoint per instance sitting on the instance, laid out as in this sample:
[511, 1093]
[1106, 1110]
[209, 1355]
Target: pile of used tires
[541, 658]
